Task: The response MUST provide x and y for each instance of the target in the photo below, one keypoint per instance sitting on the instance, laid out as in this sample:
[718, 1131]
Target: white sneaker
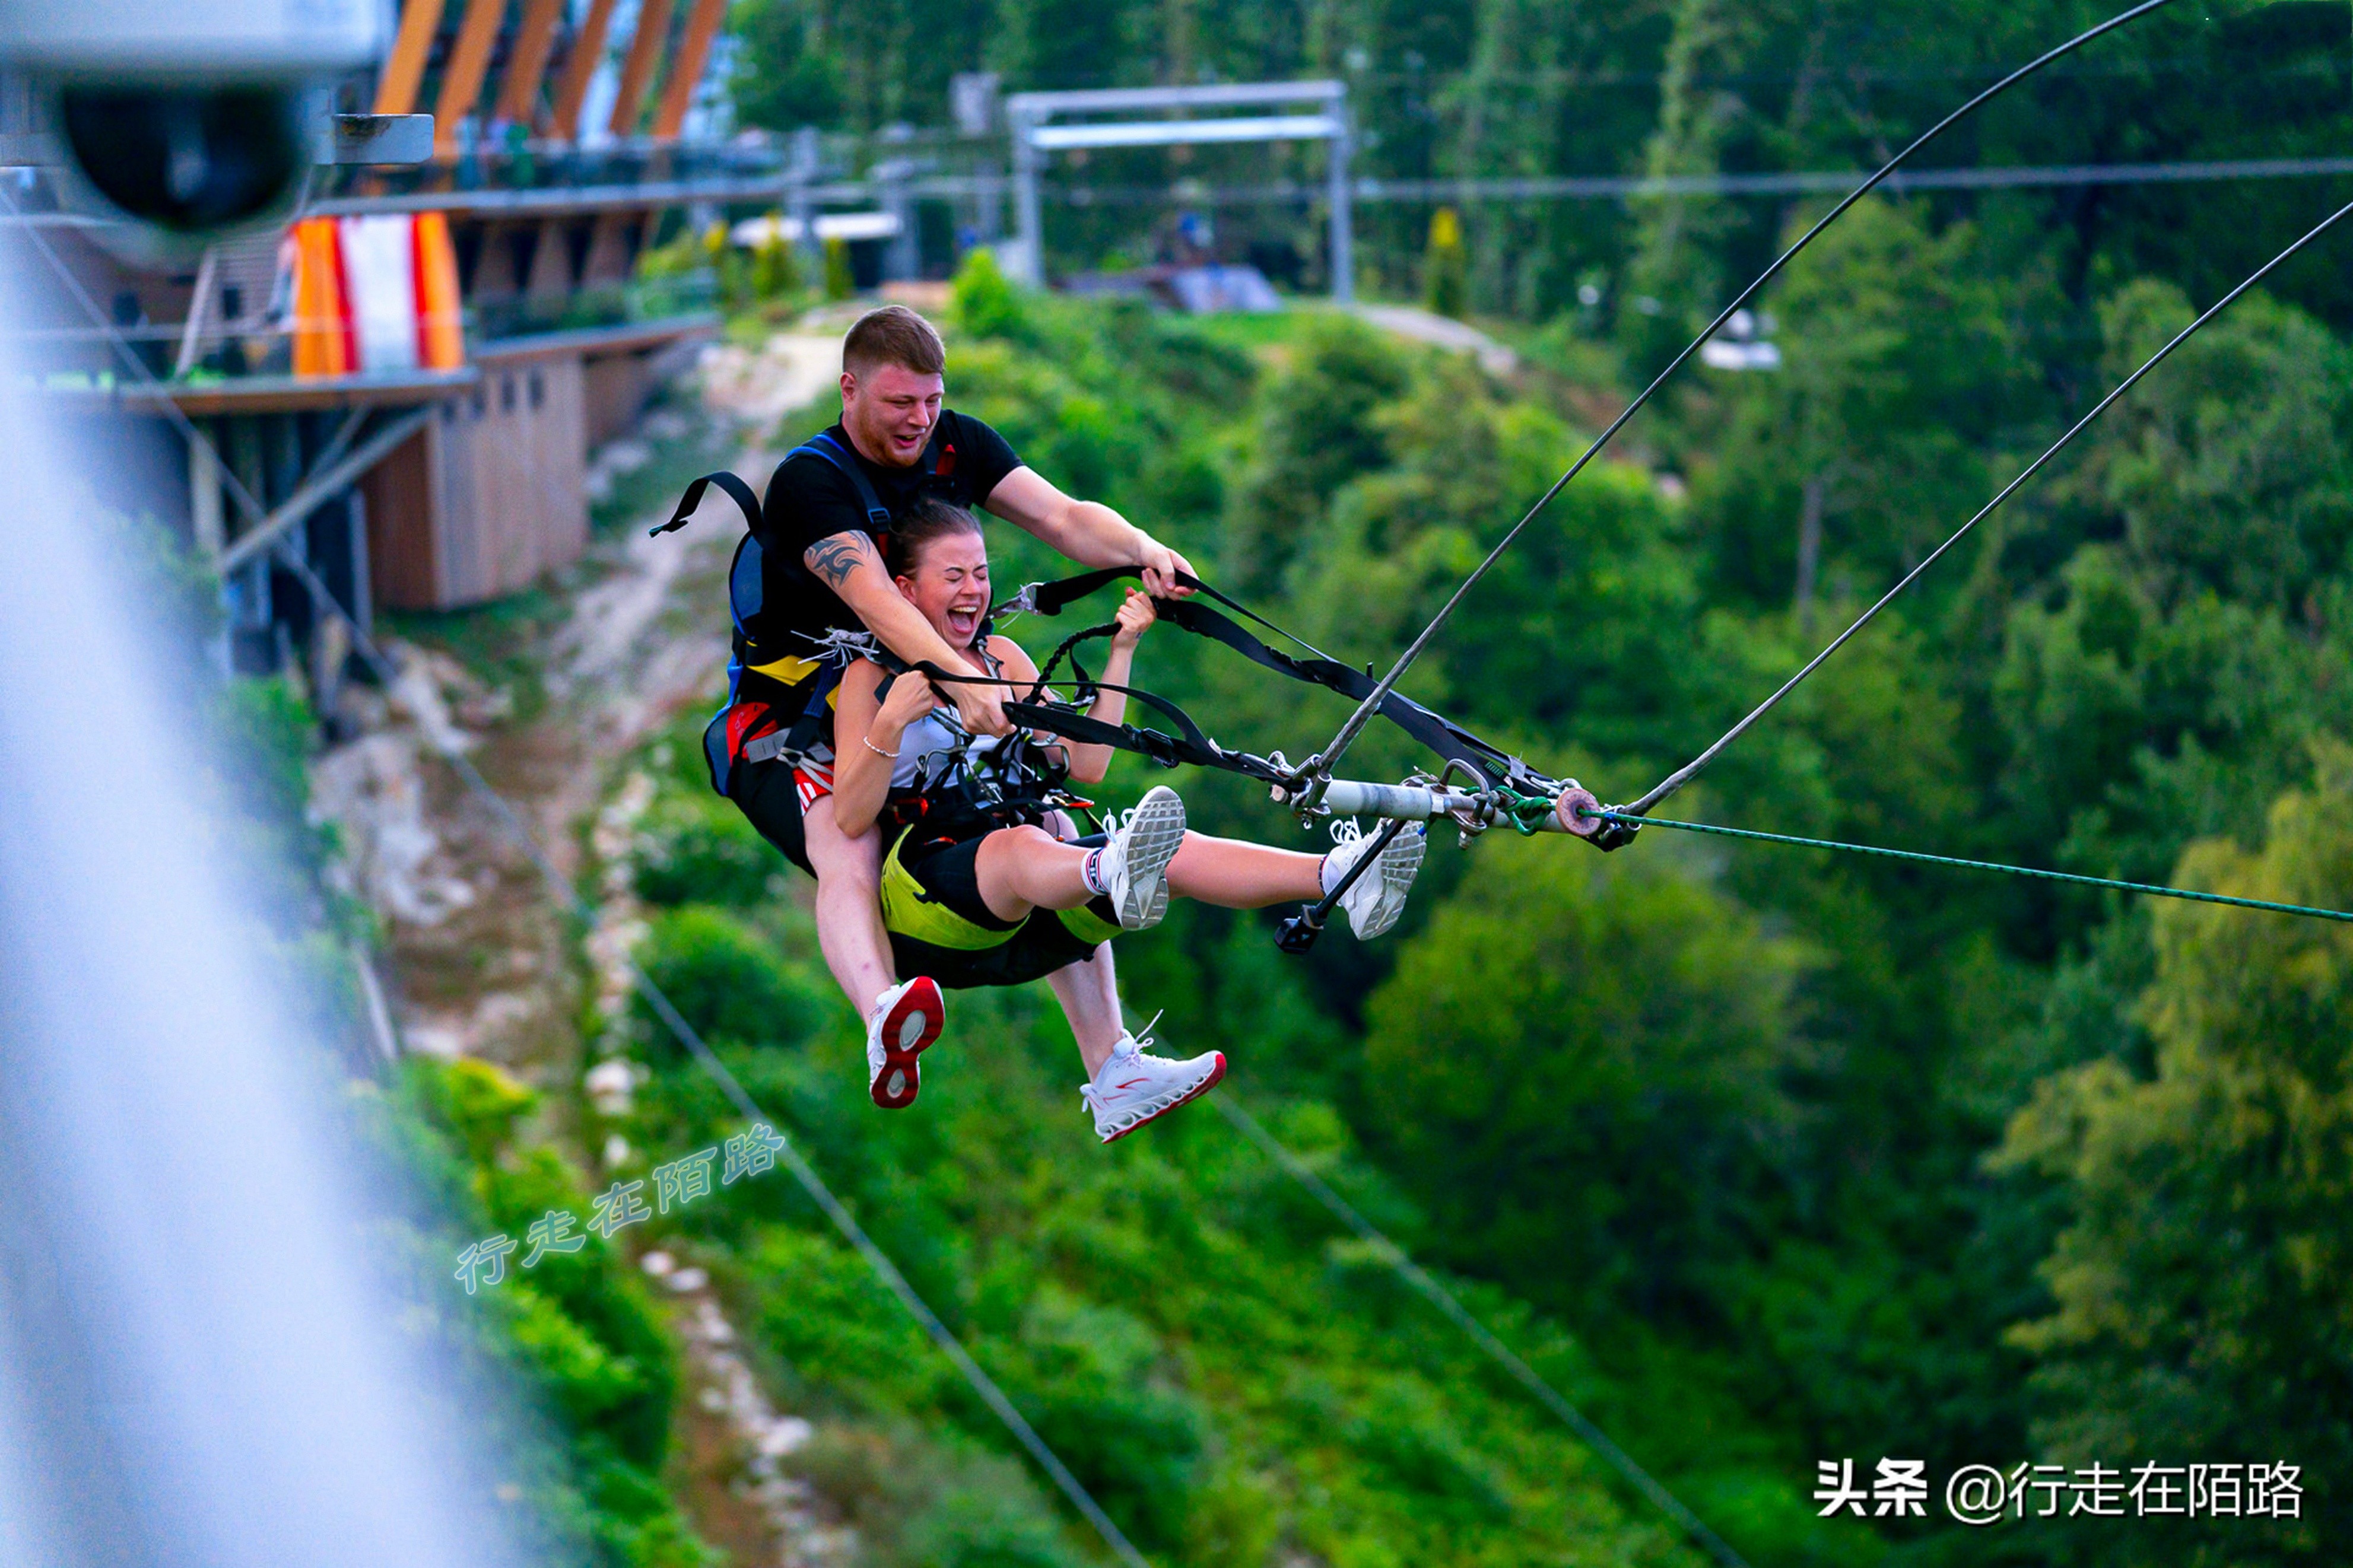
[909, 1017]
[1135, 1086]
[1374, 903]
[1134, 864]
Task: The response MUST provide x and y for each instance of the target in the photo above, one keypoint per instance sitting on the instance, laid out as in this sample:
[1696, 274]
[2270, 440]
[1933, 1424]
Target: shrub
[729, 980]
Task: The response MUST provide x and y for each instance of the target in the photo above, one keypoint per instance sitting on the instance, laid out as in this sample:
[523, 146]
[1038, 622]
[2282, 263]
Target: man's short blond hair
[893, 334]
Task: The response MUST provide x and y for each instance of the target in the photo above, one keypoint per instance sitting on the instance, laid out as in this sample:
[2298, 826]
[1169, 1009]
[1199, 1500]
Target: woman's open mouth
[963, 626]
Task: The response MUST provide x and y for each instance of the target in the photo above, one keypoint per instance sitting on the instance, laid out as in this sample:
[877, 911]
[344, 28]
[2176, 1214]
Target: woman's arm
[866, 735]
[1090, 763]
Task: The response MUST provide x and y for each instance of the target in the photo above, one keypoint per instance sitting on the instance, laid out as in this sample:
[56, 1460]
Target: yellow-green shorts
[939, 925]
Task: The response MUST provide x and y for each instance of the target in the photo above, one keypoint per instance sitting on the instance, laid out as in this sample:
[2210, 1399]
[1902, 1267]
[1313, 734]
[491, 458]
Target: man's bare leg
[850, 909]
[1088, 994]
[1124, 1091]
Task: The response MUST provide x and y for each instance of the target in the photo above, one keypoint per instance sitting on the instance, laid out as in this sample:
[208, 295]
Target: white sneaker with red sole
[909, 1017]
[1133, 1085]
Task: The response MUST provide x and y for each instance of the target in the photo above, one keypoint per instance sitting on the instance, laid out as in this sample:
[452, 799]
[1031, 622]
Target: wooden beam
[580, 68]
[518, 94]
[637, 70]
[315, 491]
[686, 70]
[462, 84]
[403, 73]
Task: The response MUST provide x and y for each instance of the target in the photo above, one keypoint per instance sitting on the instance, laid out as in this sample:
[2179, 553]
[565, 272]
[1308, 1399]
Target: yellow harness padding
[788, 670]
[909, 912]
[1087, 925]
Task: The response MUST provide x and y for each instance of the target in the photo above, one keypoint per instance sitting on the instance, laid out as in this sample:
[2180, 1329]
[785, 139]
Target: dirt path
[1424, 326]
[482, 960]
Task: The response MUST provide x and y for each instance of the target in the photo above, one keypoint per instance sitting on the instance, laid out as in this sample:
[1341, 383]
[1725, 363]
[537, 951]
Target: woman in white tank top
[973, 895]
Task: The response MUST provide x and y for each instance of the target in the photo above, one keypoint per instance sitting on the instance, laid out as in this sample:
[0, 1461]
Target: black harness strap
[1190, 744]
[736, 489]
[1436, 731]
[1072, 722]
[800, 732]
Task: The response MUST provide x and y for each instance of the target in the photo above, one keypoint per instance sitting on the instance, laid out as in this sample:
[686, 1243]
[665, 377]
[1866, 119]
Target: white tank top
[931, 750]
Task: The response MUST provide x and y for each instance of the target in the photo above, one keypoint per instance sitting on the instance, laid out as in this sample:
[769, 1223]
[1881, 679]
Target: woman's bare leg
[1089, 993]
[1022, 868]
[1234, 874]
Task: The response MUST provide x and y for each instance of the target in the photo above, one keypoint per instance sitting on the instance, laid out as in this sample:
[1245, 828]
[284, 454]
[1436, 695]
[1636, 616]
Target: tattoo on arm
[836, 556]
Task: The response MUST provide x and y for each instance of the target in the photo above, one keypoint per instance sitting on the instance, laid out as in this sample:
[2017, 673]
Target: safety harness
[749, 731]
[1490, 764]
[752, 732]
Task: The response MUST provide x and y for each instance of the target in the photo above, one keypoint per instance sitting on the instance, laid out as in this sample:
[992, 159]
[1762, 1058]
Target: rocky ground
[548, 697]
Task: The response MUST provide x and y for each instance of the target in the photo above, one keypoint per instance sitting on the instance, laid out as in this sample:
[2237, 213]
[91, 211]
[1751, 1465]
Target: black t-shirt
[810, 499]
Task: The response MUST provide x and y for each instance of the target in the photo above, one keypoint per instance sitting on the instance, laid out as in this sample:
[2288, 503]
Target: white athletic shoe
[1135, 1086]
[1377, 898]
[908, 1017]
[1134, 864]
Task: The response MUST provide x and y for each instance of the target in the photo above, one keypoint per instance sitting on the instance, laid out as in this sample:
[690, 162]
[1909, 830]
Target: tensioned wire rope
[1684, 775]
[2151, 889]
[1635, 816]
[1319, 766]
[570, 896]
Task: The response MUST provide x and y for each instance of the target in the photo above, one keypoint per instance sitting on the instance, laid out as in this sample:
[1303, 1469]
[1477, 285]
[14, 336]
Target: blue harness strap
[746, 597]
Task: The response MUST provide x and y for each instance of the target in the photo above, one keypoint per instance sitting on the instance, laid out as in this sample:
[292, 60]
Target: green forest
[1766, 1157]
[1509, 87]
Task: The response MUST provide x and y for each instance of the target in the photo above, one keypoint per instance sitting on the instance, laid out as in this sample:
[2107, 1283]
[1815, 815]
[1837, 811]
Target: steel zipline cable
[1319, 767]
[570, 896]
[2151, 889]
[1684, 775]
[1462, 1317]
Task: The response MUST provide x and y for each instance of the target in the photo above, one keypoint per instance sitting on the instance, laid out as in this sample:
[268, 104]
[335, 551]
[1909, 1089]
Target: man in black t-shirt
[821, 571]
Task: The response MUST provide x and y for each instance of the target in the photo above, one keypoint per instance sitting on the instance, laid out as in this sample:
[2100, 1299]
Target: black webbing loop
[736, 489]
[1440, 734]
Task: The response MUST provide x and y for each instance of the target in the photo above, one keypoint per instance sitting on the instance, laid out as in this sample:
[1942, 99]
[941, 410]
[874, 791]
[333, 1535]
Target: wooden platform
[491, 496]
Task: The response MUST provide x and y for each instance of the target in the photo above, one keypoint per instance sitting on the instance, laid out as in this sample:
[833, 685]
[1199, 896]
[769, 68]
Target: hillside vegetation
[1764, 1156]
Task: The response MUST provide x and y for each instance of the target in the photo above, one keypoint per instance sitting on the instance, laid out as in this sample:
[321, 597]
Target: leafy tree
[1899, 375]
[1317, 433]
[2198, 1287]
[2229, 466]
[1578, 1069]
[2132, 730]
[852, 67]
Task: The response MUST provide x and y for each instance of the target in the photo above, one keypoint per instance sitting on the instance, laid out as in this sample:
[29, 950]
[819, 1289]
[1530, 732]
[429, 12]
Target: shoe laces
[1138, 1041]
[1346, 831]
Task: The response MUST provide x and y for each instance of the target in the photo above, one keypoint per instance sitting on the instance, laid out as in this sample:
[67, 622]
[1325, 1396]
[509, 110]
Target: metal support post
[206, 520]
[988, 203]
[1344, 248]
[904, 258]
[804, 175]
[1029, 264]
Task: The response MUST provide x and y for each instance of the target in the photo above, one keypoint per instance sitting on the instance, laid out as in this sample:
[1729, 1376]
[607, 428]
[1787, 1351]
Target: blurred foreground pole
[194, 1367]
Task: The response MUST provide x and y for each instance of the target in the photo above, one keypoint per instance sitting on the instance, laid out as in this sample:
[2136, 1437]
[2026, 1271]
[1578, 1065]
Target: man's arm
[851, 565]
[1087, 531]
